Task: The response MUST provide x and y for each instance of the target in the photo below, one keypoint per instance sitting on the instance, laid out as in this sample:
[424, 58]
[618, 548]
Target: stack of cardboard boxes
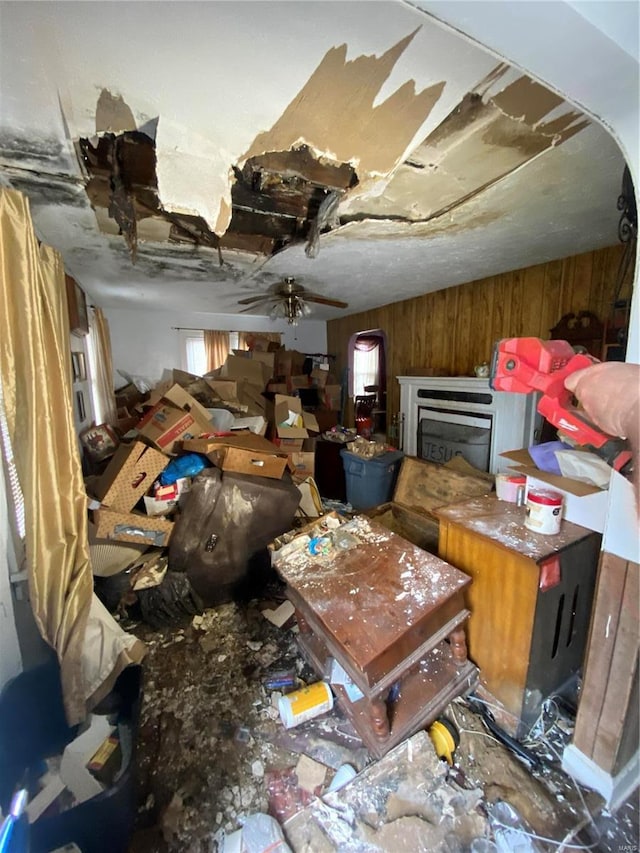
[267, 431]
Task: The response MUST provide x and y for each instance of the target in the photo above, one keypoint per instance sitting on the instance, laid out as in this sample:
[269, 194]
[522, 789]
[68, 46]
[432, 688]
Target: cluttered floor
[213, 752]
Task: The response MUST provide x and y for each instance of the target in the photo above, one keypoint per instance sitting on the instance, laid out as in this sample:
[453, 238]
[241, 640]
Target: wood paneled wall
[456, 328]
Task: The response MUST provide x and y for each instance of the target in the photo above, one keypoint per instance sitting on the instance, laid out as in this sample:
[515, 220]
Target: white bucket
[544, 511]
[508, 486]
[305, 704]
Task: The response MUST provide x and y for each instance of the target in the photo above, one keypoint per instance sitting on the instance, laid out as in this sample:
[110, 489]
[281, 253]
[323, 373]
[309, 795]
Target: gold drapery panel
[216, 347]
[104, 367]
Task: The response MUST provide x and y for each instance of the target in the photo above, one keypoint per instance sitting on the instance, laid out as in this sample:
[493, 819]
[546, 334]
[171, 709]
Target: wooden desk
[392, 616]
[530, 601]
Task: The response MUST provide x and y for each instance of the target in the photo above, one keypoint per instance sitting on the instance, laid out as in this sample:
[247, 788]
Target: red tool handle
[523, 365]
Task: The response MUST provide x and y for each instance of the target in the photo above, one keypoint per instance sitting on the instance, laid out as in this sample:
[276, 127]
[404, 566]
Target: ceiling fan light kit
[288, 300]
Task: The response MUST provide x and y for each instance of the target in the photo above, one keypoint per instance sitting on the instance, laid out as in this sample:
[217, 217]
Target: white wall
[144, 343]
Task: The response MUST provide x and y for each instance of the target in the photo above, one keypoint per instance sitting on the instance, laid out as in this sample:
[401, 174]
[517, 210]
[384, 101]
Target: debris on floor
[212, 752]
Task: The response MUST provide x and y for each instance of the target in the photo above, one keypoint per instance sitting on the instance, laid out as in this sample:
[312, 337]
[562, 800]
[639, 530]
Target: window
[194, 359]
[365, 369]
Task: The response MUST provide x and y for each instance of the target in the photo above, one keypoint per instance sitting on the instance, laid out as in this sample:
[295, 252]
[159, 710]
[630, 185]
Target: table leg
[458, 643]
[379, 717]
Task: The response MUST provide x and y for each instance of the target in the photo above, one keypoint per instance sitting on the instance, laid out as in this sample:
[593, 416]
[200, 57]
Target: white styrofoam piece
[73, 767]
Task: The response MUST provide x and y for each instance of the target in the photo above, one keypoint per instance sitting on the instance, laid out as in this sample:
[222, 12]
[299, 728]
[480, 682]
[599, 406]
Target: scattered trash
[281, 615]
[305, 704]
[345, 773]
[311, 774]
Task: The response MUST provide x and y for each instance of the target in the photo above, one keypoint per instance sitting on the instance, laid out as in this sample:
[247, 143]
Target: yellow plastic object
[445, 739]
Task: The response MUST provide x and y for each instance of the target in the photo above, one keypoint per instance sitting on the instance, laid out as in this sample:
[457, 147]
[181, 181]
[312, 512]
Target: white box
[589, 511]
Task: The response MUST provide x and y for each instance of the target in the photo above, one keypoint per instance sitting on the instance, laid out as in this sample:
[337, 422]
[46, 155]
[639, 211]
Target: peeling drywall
[275, 198]
[335, 112]
[484, 139]
[113, 115]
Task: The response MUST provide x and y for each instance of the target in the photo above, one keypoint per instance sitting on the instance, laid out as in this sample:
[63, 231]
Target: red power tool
[524, 365]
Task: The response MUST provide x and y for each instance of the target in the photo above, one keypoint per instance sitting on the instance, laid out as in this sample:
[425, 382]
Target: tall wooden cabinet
[530, 601]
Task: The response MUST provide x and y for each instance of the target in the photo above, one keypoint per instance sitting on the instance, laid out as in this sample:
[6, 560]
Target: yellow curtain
[257, 340]
[104, 367]
[35, 372]
[216, 346]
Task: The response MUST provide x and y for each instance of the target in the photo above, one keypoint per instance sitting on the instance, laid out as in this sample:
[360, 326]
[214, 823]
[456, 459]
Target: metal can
[543, 512]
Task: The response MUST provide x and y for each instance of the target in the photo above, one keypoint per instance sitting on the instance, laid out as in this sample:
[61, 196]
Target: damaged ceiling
[194, 157]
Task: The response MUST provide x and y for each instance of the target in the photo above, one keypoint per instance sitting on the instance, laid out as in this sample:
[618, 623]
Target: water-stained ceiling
[184, 155]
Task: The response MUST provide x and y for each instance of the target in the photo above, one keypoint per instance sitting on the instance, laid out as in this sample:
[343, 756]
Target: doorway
[368, 381]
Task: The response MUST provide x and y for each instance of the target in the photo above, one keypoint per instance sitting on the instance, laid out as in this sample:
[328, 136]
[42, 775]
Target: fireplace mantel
[512, 416]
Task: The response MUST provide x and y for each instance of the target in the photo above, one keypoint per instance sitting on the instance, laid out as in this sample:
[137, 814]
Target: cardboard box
[251, 396]
[333, 397]
[253, 462]
[132, 527]
[244, 453]
[303, 464]
[166, 425]
[249, 369]
[289, 419]
[289, 445]
[183, 400]
[584, 504]
[301, 381]
[289, 362]
[130, 473]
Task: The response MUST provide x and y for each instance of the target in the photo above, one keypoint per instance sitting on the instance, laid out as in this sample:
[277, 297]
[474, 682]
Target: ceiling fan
[289, 300]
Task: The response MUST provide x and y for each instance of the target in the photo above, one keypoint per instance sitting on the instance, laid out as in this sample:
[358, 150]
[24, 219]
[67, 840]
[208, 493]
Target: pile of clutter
[198, 475]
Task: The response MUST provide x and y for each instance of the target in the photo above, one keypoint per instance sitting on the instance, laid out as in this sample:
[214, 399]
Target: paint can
[543, 512]
[305, 704]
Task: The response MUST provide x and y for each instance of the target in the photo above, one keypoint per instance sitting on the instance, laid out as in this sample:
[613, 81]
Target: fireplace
[448, 416]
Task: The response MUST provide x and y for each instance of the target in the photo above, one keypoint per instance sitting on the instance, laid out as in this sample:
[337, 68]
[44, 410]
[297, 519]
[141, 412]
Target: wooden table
[392, 616]
[530, 601]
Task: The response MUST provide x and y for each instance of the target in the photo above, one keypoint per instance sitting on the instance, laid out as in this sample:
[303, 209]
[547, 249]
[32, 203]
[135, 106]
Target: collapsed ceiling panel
[274, 200]
[335, 112]
[485, 138]
[338, 149]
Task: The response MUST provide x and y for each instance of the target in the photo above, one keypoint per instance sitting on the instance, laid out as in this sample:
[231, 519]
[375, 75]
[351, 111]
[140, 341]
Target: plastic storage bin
[370, 481]
[33, 727]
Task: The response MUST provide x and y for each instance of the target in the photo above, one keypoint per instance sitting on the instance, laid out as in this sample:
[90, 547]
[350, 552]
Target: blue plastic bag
[183, 466]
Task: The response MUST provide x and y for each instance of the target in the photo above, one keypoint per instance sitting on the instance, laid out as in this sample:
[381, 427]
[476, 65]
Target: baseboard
[613, 789]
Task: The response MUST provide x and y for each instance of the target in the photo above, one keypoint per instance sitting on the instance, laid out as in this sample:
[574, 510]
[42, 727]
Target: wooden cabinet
[392, 616]
[530, 601]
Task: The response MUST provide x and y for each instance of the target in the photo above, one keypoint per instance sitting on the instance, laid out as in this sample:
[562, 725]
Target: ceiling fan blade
[258, 307]
[323, 300]
[250, 299]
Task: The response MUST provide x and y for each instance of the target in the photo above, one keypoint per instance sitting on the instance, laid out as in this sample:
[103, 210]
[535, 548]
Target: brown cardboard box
[244, 453]
[132, 527]
[333, 396]
[253, 462]
[288, 362]
[303, 464]
[129, 475]
[248, 369]
[251, 396]
[289, 445]
[167, 425]
[289, 419]
[300, 381]
[320, 377]
[183, 400]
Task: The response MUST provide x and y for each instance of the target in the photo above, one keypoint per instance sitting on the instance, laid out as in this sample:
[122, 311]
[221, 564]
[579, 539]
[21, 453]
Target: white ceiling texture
[186, 155]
